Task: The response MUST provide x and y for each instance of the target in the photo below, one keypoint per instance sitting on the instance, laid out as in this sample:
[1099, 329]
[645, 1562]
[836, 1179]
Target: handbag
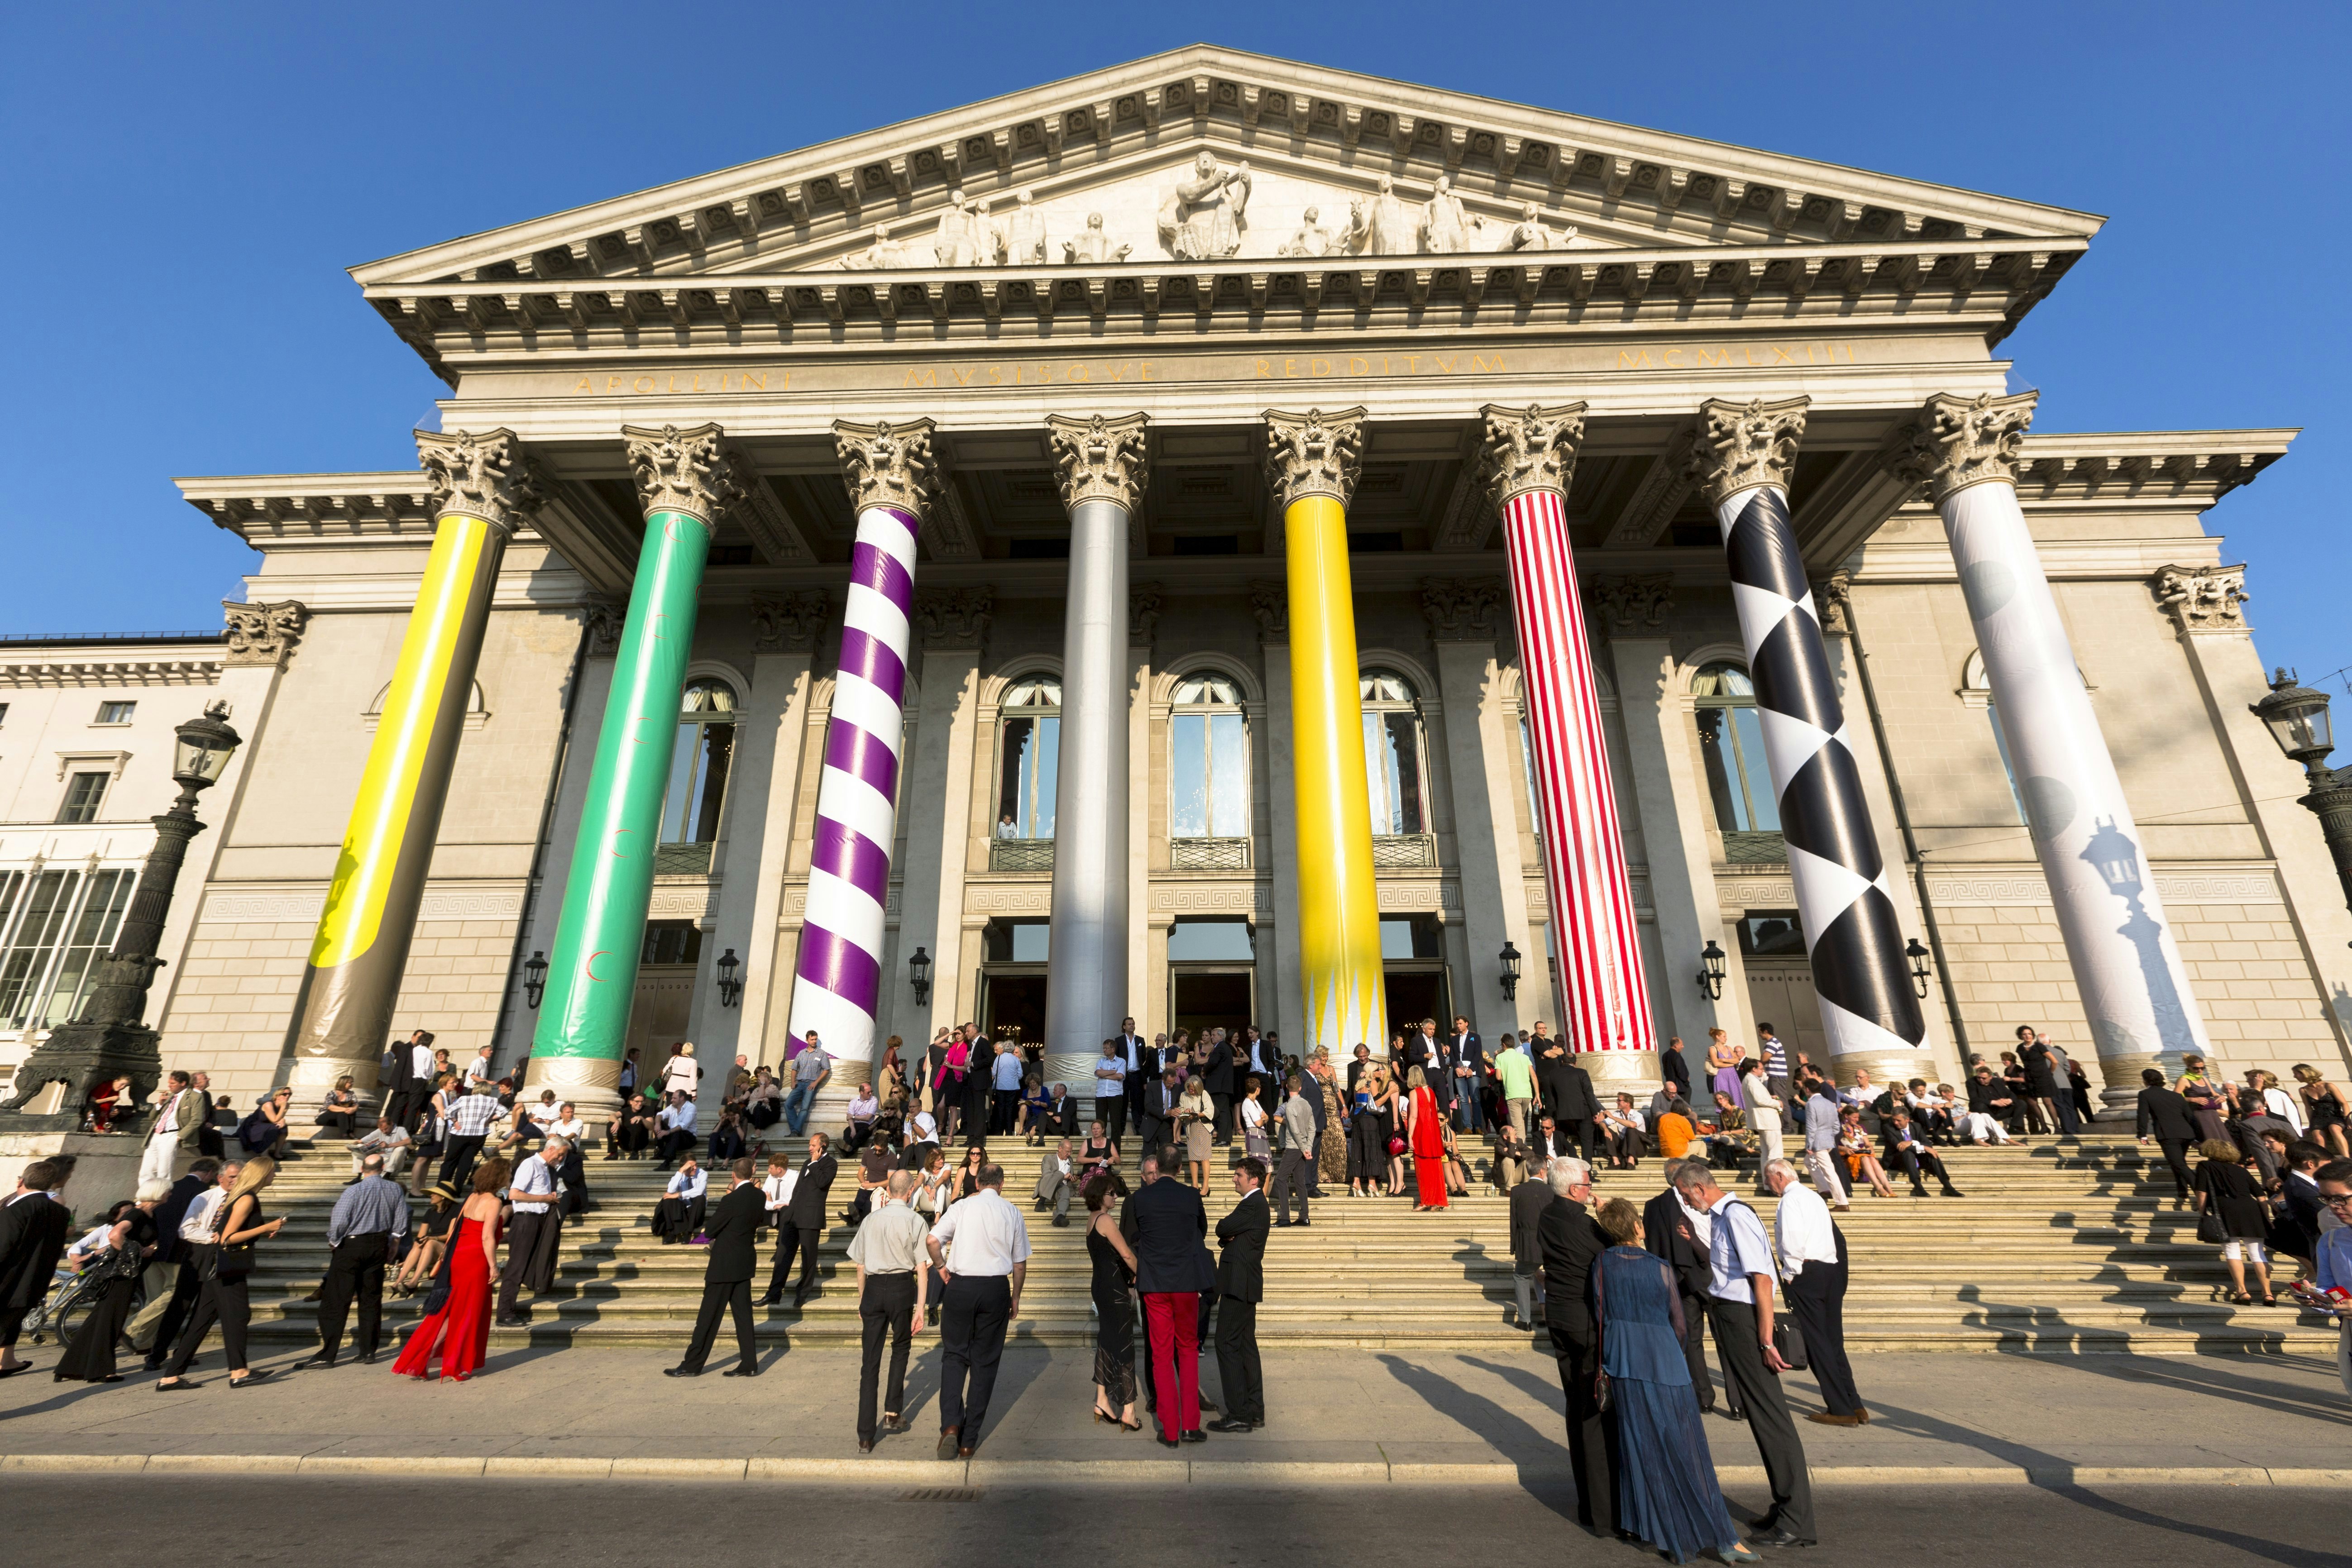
[1789, 1340]
[1396, 1146]
[2209, 1227]
[222, 1259]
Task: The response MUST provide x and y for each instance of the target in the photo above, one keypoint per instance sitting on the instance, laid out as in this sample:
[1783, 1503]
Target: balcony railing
[1021, 855]
[1755, 849]
[1208, 854]
[682, 860]
[1403, 851]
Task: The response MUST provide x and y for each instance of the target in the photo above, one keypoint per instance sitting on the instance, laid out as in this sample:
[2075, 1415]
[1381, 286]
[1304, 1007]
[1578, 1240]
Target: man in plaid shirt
[470, 1123]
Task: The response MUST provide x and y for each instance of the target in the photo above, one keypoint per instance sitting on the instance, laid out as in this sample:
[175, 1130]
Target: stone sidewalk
[1340, 1416]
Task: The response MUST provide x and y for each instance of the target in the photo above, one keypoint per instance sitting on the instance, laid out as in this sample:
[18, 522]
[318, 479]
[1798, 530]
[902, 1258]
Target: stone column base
[1621, 1071]
[312, 1077]
[593, 1085]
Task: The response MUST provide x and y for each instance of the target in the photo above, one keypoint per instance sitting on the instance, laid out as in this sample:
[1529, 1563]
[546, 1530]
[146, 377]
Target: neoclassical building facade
[1224, 540]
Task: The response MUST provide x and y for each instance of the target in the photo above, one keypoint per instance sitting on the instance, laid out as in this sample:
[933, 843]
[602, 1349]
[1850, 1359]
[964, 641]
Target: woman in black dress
[89, 1357]
[2226, 1189]
[1114, 1277]
[238, 1230]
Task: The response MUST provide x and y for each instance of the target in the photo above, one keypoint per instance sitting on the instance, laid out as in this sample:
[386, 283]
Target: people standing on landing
[1569, 1241]
[172, 1136]
[1196, 1121]
[1667, 1493]
[458, 1308]
[892, 1255]
[1166, 1225]
[1425, 1132]
[1812, 1261]
[1742, 1285]
[237, 1232]
[981, 1247]
[1112, 1284]
[368, 1214]
[734, 1232]
[1241, 1286]
[1294, 1125]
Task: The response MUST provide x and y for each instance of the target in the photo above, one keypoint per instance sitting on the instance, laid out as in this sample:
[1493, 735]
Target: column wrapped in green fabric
[343, 1014]
[686, 479]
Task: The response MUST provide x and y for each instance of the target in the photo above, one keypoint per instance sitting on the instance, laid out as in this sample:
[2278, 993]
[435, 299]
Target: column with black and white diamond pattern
[1742, 461]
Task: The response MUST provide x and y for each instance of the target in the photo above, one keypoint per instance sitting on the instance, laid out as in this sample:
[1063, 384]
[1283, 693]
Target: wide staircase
[2056, 1247]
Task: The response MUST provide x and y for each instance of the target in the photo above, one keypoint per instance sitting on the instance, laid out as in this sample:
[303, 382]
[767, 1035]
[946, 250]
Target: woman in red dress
[460, 1331]
[1425, 1132]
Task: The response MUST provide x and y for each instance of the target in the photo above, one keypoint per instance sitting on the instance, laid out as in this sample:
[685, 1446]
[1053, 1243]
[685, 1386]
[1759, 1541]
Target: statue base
[77, 1058]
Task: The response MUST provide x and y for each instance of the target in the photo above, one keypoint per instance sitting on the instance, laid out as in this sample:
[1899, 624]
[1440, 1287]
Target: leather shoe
[896, 1427]
[681, 1372]
[1781, 1535]
[866, 1445]
[772, 1301]
[946, 1442]
[966, 1452]
[741, 1371]
[367, 1358]
[1831, 1418]
[314, 1363]
[1196, 1436]
[1861, 1414]
[1163, 1440]
[1232, 1423]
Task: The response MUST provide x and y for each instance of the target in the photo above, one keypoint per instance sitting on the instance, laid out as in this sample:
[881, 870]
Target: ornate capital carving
[2203, 598]
[888, 465]
[1314, 454]
[954, 617]
[483, 475]
[792, 621]
[603, 623]
[1531, 448]
[1098, 459]
[1834, 604]
[1743, 445]
[263, 633]
[1270, 603]
[1142, 614]
[1632, 605]
[1957, 442]
[687, 471]
[1463, 609]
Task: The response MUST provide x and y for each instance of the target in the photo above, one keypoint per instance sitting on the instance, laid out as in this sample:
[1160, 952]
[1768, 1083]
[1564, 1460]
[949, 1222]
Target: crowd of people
[1627, 1295]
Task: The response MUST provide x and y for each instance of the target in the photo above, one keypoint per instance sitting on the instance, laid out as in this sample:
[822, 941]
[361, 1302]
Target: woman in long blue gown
[1667, 1492]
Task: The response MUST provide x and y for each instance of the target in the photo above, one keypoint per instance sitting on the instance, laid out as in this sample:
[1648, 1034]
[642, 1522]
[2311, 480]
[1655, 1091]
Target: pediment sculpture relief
[1202, 220]
[1093, 244]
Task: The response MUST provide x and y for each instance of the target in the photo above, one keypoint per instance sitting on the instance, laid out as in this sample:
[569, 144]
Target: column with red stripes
[1529, 455]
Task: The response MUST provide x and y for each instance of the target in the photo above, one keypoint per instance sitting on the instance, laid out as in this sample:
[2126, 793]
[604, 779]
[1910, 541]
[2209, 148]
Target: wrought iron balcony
[683, 859]
[1021, 855]
[1208, 854]
[1755, 849]
[1405, 851]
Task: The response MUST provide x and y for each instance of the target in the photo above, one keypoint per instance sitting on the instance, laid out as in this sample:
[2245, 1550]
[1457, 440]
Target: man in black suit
[1571, 1242]
[1465, 1071]
[805, 1214]
[734, 1232]
[1674, 1068]
[1903, 1149]
[1528, 1200]
[1568, 1095]
[1165, 1224]
[1217, 1077]
[1666, 1231]
[1241, 1286]
[2165, 1117]
[1136, 1052]
[33, 1226]
[1358, 1065]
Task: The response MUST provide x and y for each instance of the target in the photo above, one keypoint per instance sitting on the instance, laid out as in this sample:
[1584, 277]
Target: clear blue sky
[185, 186]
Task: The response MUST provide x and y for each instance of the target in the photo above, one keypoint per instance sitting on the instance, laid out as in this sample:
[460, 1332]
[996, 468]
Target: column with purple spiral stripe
[839, 976]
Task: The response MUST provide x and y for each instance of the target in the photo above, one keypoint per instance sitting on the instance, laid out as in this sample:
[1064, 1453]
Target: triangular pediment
[1280, 136]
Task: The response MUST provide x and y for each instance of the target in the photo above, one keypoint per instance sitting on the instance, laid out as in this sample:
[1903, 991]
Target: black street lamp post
[2296, 717]
[108, 1040]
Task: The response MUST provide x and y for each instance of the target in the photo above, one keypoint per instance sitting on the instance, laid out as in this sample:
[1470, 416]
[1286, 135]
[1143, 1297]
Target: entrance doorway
[1012, 1004]
[1412, 994]
[1781, 993]
[1201, 999]
[664, 1002]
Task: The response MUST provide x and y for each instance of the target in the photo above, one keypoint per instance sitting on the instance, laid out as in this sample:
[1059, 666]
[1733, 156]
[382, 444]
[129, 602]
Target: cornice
[1260, 105]
[59, 673]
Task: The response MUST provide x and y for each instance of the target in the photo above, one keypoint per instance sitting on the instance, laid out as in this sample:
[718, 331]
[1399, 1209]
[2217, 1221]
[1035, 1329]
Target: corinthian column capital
[1314, 454]
[263, 633]
[1098, 459]
[888, 465]
[683, 470]
[1531, 448]
[1741, 446]
[1961, 441]
[484, 475]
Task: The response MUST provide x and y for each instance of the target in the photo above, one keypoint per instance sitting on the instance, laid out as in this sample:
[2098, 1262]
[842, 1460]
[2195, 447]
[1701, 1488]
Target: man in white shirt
[537, 1228]
[811, 1068]
[388, 1141]
[479, 1070]
[679, 1214]
[1742, 1274]
[1821, 1141]
[677, 1124]
[1812, 1260]
[981, 1247]
[891, 1253]
[1004, 1079]
[1110, 1091]
[178, 1113]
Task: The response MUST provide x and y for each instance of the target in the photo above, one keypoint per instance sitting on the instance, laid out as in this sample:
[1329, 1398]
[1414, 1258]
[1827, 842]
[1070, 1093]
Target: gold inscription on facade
[683, 384]
[1364, 367]
[1753, 356]
[1023, 373]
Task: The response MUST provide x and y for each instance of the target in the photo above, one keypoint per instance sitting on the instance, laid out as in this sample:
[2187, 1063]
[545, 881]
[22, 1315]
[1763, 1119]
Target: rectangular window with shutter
[85, 793]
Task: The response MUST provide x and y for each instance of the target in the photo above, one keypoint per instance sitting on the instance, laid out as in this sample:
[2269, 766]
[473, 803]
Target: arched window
[1209, 761]
[1392, 756]
[1029, 749]
[1731, 735]
[698, 763]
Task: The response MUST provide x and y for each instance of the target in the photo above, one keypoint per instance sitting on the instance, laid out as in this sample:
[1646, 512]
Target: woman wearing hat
[424, 1259]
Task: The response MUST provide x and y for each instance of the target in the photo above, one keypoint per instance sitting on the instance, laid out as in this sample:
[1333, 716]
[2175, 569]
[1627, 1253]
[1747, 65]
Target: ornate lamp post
[108, 1040]
[2296, 717]
[1509, 960]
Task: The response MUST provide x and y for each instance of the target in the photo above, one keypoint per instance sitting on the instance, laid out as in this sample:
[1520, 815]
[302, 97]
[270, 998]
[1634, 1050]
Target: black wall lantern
[1919, 971]
[1711, 971]
[918, 972]
[1510, 962]
[534, 979]
[731, 989]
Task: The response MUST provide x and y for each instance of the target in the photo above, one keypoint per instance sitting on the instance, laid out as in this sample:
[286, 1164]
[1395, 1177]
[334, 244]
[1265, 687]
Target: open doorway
[1204, 999]
[1781, 984]
[1013, 979]
[1413, 972]
[663, 1001]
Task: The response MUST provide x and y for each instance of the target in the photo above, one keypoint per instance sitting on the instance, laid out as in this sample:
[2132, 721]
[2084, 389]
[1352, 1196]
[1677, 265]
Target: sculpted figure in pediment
[885, 252]
[1021, 233]
[1093, 244]
[1384, 225]
[965, 237]
[1444, 226]
[1201, 219]
[1530, 233]
[1312, 239]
